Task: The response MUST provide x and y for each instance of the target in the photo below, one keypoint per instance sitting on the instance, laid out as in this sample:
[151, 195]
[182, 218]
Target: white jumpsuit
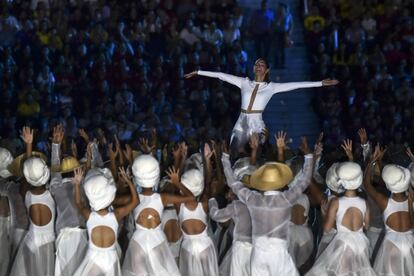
[270, 212]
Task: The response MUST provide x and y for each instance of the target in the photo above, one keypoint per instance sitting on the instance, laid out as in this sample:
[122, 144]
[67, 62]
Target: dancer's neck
[259, 78]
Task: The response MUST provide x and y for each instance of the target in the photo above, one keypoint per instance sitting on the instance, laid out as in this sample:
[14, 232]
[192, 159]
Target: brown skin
[399, 221]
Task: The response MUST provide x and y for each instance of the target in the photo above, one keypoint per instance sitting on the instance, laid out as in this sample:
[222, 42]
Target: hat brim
[15, 168]
[256, 181]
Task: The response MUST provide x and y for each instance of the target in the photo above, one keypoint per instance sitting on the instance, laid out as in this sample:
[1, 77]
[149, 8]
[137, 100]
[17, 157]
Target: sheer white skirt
[300, 243]
[198, 255]
[324, 242]
[71, 248]
[396, 255]
[347, 254]
[100, 262]
[5, 244]
[148, 253]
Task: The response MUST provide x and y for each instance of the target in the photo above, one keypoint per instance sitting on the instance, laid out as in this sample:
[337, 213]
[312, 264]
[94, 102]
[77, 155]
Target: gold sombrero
[68, 164]
[15, 168]
[271, 176]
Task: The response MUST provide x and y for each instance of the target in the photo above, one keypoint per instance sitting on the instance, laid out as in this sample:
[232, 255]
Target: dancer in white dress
[254, 97]
[148, 252]
[270, 212]
[348, 253]
[102, 257]
[396, 254]
[36, 254]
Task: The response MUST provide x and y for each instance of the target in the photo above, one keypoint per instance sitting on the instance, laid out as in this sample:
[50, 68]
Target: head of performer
[36, 172]
[261, 70]
[272, 176]
[146, 171]
[99, 188]
[396, 178]
[6, 159]
[349, 176]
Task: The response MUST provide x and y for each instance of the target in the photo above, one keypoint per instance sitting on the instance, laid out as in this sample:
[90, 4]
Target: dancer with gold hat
[36, 254]
[396, 254]
[270, 211]
[348, 252]
[255, 94]
[148, 252]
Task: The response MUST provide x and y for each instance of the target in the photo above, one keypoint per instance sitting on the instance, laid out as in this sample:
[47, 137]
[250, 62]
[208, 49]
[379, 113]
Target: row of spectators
[369, 47]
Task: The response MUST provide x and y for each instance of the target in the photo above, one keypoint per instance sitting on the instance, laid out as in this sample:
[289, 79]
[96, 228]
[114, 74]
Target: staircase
[290, 111]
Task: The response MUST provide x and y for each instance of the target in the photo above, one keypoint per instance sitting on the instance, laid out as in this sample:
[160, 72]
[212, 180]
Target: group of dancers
[206, 215]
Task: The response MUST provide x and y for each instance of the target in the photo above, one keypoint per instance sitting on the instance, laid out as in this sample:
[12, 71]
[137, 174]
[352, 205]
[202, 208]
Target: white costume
[270, 212]
[170, 214]
[300, 236]
[148, 252]
[99, 260]
[198, 254]
[241, 250]
[36, 254]
[254, 98]
[72, 240]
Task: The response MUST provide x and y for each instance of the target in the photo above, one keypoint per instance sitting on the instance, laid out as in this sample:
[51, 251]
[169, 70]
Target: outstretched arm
[237, 81]
[284, 87]
[220, 215]
[123, 211]
[79, 173]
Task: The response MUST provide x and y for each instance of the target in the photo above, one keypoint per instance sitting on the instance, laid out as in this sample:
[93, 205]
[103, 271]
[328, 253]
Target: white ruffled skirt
[396, 255]
[324, 242]
[148, 253]
[100, 262]
[373, 235]
[5, 245]
[270, 257]
[300, 243]
[198, 255]
[71, 248]
[347, 254]
[36, 255]
[175, 248]
[246, 125]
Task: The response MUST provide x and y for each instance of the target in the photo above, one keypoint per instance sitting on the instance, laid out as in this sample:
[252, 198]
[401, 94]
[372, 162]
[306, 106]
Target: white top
[394, 207]
[238, 212]
[43, 199]
[303, 201]
[198, 213]
[167, 215]
[344, 204]
[18, 212]
[265, 92]
[149, 202]
[270, 211]
[96, 220]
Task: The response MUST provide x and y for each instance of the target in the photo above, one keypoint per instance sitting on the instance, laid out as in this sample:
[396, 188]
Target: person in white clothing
[255, 94]
[270, 211]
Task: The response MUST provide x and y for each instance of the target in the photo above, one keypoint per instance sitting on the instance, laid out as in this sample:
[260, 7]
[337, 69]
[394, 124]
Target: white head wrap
[36, 171]
[194, 181]
[146, 171]
[396, 178]
[195, 161]
[100, 188]
[332, 179]
[243, 167]
[411, 168]
[350, 175]
[5, 160]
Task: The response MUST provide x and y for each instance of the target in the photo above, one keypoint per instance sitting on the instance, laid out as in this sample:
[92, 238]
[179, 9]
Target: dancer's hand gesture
[410, 154]
[304, 147]
[347, 147]
[174, 175]
[27, 135]
[254, 141]
[58, 134]
[363, 137]
[190, 75]
[280, 138]
[329, 82]
[78, 175]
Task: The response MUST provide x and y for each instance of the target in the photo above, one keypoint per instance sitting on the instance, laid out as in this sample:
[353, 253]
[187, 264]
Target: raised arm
[280, 138]
[288, 86]
[237, 81]
[220, 215]
[167, 198]
[79, 173]
[123, 211]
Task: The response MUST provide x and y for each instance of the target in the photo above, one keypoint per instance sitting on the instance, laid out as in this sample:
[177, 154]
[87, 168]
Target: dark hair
[267, 76]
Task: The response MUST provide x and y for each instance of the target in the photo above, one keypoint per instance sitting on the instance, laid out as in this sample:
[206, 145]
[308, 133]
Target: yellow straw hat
[68, 164]
[271, 176]
[15, 168]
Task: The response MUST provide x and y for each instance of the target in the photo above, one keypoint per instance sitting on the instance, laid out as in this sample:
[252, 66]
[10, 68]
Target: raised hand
[318, 150]
[27, 135]
[207, 151]
[320, 138]
[176, 152]
[329, 82]
[111, 152]
[128, 153]
[74, 149]
[410, 154]
[84, 135]
[124, 175]
[378, 153]
[265, 133]
[224, 147]
[190, 75]
[363, 137]
[280, 138]
[184, 150]
[347, 147]
[78, 175]
[58, 134]
[254, 141]
[145, 147]
[174, 175]
[304, 147]
[89, 148]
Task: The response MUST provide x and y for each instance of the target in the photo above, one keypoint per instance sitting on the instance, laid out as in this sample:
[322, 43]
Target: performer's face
[260, 68]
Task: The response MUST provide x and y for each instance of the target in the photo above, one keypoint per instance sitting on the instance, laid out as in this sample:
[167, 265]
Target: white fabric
[373, 235]
[240, 258]
[411, 168]
[247, 125]
[350, 175]
[5, 241]
[171, 215]
[148, 253]
[198, 213]
[193, 180]
[396, 178]
[344, 203]
[5, 160]
[243, 167]
[332, 179]
[195, 161]
[99, 188]
[270, 257]
[300, 243]
[153, 201]
[327, 237]
[146, 171]
[36, 171]
[394, 207]
[71, 248]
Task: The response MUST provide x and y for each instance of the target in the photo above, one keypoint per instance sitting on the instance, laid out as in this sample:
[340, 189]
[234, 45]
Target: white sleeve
[237, 81]
[288, 86]
[220, 215]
